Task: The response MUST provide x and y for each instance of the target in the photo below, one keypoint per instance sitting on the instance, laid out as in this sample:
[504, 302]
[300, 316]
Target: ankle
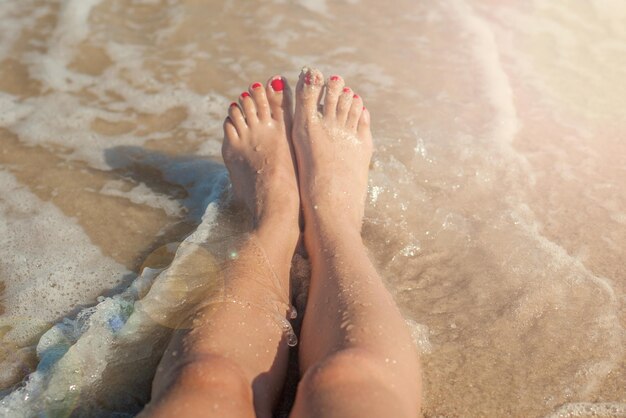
[282, 209]
[325, 217]
[277, 216]
[328, 233]
[278, 237]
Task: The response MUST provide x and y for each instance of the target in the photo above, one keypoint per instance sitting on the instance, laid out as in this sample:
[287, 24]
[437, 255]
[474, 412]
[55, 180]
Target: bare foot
[333, 149]
[257, 153]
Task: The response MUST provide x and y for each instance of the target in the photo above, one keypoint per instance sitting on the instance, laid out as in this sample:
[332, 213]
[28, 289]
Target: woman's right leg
[232, 360]
[357, 355]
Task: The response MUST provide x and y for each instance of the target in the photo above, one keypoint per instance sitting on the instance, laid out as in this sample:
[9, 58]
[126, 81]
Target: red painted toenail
[256, 85]
[346, 89]
[307, 79]
[277, 84]
[233, 104]
[334, 78]
[363, 107]
[245, 94]
[356, 96]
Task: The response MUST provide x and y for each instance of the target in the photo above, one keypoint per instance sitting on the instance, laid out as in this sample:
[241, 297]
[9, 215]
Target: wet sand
[496, 208]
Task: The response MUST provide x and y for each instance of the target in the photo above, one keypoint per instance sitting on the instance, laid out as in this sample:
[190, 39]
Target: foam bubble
[142, 194]
[317, 6]
[588, 409]
[420, 332]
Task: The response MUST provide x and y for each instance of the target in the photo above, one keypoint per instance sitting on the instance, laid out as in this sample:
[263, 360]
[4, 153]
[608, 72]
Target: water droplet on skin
[257, 148]
[259, 171]
[293, 313]
[292, 339]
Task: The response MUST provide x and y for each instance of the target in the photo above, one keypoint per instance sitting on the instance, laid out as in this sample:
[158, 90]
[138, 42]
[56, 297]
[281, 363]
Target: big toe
[309, 91]
[279, 98]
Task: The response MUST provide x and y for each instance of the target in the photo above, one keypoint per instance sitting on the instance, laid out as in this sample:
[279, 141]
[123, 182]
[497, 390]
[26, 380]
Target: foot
[257, 153]
[333, 148]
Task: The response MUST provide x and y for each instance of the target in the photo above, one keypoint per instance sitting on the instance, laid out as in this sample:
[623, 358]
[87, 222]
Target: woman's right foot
[257, 153]
[333, 149]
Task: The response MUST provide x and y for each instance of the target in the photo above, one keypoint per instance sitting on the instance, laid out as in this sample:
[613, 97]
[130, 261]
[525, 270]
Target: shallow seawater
[496, 211]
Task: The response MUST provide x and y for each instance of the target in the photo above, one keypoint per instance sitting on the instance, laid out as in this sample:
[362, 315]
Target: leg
[356, 352]
[232, 360]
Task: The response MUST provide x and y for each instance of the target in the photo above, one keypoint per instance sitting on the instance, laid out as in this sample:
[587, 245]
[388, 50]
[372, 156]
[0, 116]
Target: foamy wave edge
[74, 354]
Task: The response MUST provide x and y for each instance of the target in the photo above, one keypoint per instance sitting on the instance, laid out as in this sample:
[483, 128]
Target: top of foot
[257, 152]
[333, 147]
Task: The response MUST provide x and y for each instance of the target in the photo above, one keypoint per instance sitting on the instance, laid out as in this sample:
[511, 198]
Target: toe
[236, 118]
[356, 108]
[249, 108]
[308, 91]
[363, 127]
[343, 104]
[334, 86]
[230, 132]
[279, 98]
[260, 101]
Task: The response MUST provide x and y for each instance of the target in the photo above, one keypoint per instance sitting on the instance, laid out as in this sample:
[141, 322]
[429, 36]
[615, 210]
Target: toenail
[312, 77]
[346, 89]
[233, 104]
[334, 78]
[356, 96]
[256, 85]
[277, 84]
[363, 107]
[245, 94]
